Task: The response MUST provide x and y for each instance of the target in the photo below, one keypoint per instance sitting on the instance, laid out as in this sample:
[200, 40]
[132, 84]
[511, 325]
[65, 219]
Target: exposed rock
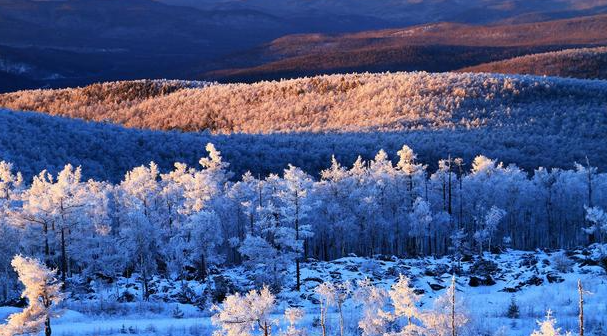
[589, 262]
[484, 267]
[436, 286]
[528, 260]
[467, 258]
[18, 302]
[126, 296]
[384, 257]
[554, 278]
[335, 275]
[313, 279]
[419, 291]
[534, 281]
[484, 281]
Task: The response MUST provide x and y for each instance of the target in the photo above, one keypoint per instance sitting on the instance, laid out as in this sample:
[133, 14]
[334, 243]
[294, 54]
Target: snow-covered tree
[294, 208]
[11, 186]
[375, 318]
[293, 316]
[547, 327]
[239, 315]
[488, 227]
[420, 221]
[43, 293]
[206, 237]
[56, 206]
[448, 316]
[411, 170]
[405, 300]
[139, 239]
[598, 218]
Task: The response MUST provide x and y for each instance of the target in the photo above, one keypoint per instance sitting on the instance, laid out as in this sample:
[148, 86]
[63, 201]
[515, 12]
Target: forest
[191, 218]
[185, 223]
[577, 63]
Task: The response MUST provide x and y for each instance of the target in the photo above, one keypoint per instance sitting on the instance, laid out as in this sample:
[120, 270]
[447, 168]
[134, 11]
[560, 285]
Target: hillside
[339, 103]
[588, 63]
[532, 121]
[430, 47]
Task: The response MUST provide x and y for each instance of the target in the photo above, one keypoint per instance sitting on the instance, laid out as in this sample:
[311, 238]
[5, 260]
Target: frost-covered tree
[375, 318]
[405, 300]
[326, 291]
[11, 186]
[56, 206]
[598, 219]
[448, 316]
[205, 239]
[411, 170]
[293, 316]
[547, 327]
[240, 314]
[294, 209]
[420, 221]
[43, 293]
[488, 227]
[139, 239]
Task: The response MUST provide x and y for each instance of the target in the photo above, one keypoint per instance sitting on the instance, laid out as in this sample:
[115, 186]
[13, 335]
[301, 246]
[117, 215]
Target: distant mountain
[588, 63]
[78, 42]
[431, 47]
[404, 13]
[109, 39]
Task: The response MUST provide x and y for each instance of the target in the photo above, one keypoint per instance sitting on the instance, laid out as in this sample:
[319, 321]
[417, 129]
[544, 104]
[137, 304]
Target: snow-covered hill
[577, 63]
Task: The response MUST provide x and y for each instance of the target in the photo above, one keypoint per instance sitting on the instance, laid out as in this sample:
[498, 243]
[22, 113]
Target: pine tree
[513, 309]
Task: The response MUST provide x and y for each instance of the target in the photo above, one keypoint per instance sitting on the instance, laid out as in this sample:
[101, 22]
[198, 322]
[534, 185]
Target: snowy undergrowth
[536, 281]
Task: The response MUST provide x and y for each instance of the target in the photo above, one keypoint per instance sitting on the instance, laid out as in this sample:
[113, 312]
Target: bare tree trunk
[453, 307]
[341, 318]
[203, 268]
[63, 258]
[581, 292]
[47, 250]
[297, 266]
[322, 320]
[47, 327]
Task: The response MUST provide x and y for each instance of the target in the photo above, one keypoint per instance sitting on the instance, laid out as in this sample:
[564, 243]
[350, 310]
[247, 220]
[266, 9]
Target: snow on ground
[538, 281]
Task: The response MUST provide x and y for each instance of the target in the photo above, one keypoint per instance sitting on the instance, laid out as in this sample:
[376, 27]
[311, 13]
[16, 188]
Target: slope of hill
[532, 121]
[588, 63]
[430, 47]
[339, 103]
[34, 141]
